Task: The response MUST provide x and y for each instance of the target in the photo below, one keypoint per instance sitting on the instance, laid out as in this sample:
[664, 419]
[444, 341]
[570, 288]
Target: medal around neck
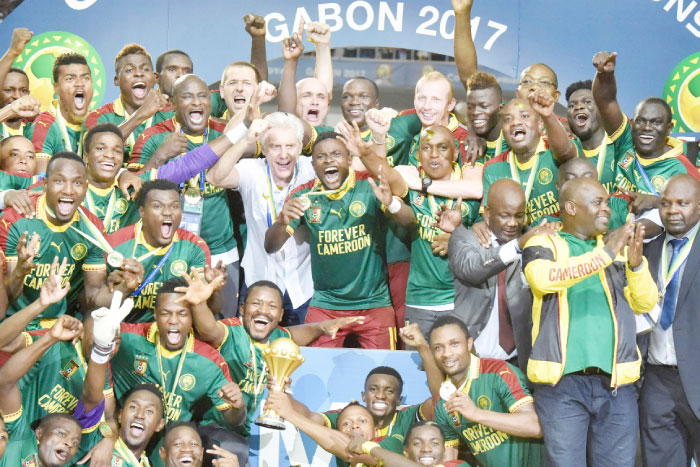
[115, 259]
[282, 358]
[447, 389]
[305, 202]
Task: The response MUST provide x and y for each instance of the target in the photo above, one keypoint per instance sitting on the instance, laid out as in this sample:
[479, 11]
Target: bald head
[184, 80]
[574, 189]
[192, 104]
[505, 209]
[578, 167]
[435, 130]
[679, 206]
[584, 208]
[537, 76]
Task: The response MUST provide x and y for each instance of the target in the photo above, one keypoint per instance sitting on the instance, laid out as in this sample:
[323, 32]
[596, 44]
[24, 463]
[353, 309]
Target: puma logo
[338, 213]
[57, 246]
[504, 372]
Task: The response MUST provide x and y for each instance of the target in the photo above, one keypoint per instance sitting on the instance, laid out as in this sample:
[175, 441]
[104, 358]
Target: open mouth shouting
[581, 119]
[313, 116]
[260, 323]
[139, 89]
[331, 177]
[79, 101]
[174, 337]
[196, 116]
[167, 229]
[66, 206]
[518, 134]
[136, 430]
[185, 459]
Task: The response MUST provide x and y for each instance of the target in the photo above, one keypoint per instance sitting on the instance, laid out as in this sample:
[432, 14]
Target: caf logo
[658, 182]
[545, 176]
[178, 267]
[682, 93]
[357, 208]
[121, 206]
[484, 403]
[78, 251]
[187, 382]
[38, 57]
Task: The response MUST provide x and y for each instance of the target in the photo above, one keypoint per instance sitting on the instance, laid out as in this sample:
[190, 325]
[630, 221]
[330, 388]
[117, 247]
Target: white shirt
[662, 349]
[487, 343]
[290, 267]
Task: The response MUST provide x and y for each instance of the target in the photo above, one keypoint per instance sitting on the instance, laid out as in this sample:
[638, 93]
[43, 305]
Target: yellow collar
[675, 151]
[119, 107]
[141, 239]
[102, 192]
[452, 122]
[347, 185]
[195, 139]
[541, 147]
[12, 132]
[53, 109]
[152, 337]
[474, 366]
[43, 215]
[385, 431]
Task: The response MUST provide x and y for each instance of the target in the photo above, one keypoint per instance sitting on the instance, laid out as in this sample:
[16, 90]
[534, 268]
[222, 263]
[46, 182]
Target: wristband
[377, 142]
[395, 205]
[237, 133]
[98, 357]
[367, 447]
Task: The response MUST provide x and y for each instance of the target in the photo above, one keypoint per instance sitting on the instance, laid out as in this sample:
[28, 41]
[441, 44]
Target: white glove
[106, 326]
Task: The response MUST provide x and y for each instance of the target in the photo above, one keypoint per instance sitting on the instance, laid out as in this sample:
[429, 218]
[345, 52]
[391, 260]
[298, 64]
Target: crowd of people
[541, 266]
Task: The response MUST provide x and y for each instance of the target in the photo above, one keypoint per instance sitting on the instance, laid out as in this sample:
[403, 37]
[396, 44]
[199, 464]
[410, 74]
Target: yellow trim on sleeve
[452, 443]
[10, 259]
[290, 230]
[519, 403]
[11, 417]
[620, 130]
[27, 339]
[223, 407]
[226, 335]
[43, 155]
[94, 267]
[326, 420]
[107, 393]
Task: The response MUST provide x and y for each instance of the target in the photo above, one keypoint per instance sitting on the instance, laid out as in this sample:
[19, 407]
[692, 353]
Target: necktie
[505, 327]
[669, 306]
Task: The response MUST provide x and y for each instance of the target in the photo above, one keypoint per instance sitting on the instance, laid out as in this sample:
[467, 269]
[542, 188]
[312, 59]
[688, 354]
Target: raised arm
[464, 50]
[292, 48]
[197, 292]
[562, 147]
[412, 336]
[24, 250]
[224, 173]
[153, 103]
[394, 206]
[320, 35]
[255, 26]
[605, 91]
[20, 38]
[24, 107]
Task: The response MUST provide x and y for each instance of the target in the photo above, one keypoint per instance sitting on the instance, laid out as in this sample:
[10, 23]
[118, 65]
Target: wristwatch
[425, 184]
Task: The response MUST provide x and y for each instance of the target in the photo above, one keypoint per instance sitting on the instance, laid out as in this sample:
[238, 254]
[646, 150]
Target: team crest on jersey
[70, 369]
[78, 251]
[357, 208]
[544, 176]
[658, 181]
[30, 461]
[419, 200]
[178, 267]
[140, 365]
[484, 403]
[187, 382]
[390, 142]
[627, 161]
[455, 419]
[117, 461]
[315, 214]
[465, 209]
[121, 206]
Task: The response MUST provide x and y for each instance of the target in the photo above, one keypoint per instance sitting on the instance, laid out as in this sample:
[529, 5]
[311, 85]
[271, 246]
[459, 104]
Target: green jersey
[403, 419]
[54, 384]
[6, 131]
[458, 131]
[605, 159]
[430, 282]
[495, 148]
[218, 105]
[403, 128]
[11, 181]
[217, 231]
[315, 131]
[248, 369]
[499, 387]
[634, 173]
[591, 340]
[114, 112]
[123, 457]
[538, 177]
[187, 251]
[62, 241]
[51, 133]
[111, 206]
[348, 229]
[183, 378]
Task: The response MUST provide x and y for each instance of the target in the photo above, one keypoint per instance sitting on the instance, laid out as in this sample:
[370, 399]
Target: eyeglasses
[542, 83]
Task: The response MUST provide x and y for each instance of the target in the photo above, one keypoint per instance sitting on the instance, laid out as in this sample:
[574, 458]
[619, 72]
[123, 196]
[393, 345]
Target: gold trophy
[282, 358]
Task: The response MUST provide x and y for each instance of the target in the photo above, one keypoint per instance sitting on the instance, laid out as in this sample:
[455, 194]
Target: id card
[192, 208]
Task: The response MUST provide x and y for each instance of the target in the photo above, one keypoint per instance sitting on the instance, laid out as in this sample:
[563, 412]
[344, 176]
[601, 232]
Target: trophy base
[270, 421]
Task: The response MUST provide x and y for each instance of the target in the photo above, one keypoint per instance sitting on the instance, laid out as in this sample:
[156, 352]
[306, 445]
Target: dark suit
[476, 275]
[670, 397]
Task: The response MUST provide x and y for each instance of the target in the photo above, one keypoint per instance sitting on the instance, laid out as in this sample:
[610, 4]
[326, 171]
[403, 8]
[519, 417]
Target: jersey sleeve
[144, 148]
[622, 138]
[95, 259]
[512, 388]
[217, 381]
[11, 237]
[393, 443]
[444, 421]
[330, 418]
[17, 426]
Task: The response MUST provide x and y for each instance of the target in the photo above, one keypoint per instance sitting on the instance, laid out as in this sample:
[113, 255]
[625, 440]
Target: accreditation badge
[192, 209]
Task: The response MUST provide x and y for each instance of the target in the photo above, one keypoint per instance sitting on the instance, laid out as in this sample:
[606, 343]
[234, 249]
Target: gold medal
[192, 195]
[447, 389]
[305, 203]
[115, 259]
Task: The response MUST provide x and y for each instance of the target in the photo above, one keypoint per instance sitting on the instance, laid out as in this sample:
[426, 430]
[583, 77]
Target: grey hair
[284, 119]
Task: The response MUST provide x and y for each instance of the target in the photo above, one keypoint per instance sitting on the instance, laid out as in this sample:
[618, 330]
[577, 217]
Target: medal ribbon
[644, 175]
[180, 364]
[315, 192]
[669, 271]
[110, 206]
[123, 450]
[271, 209]
[601, 156]
[434, 208]
[98, 240]
[257, 379]
[153, 273]
[515, 176]
[499, 143]
[64, 132]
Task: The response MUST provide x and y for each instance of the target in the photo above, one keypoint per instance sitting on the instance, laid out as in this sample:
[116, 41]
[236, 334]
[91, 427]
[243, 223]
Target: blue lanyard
[154, 272]
[645, 176]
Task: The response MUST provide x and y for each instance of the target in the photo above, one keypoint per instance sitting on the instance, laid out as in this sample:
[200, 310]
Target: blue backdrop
[651, 36]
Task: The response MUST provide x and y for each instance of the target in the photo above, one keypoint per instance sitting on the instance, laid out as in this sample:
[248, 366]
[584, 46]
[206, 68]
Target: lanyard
[271, 208]
[166, 398]
[669, 270]
[110, 206]
[153, 273]
[98, 240]
[499, 142]
[434, 209]
[644, 175]
[601, 156]
[64, 132]
[202, 174]
[123, 450]
[257, 379]
[515, 176]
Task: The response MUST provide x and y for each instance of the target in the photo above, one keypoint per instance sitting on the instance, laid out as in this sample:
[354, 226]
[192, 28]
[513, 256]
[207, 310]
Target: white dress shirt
[487, 343]
[662, 350]
[290, 267]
